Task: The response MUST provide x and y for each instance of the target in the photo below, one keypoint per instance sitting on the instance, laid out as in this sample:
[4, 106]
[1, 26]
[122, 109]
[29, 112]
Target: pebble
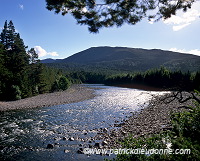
[64, 138]
[147, 121]
[75, 93]
[80, 151]
[66, 151]
[50, 146]
[104, 143]
[71, 139]
[105, 130]
[98, 145]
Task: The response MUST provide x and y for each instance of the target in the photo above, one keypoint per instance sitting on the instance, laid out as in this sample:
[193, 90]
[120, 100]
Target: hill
[126, 59]
[49, 60]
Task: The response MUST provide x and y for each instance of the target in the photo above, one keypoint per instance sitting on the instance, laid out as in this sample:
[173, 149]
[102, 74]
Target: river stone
[64, 138]
[71, 139]
[104, 143]
[80, 151]
[98, 145]
[124, 132]
[50, 146]
[105, 130]
[66, 151]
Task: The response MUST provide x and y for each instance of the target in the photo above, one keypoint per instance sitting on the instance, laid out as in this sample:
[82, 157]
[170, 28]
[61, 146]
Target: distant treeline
[161, 78]
[87, 77]
[21, 73]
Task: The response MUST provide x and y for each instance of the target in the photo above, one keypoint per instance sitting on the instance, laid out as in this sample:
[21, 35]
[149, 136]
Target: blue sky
[56, 36]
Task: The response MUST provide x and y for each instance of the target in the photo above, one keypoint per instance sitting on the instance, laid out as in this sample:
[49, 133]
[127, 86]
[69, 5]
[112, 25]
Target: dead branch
[178, 95]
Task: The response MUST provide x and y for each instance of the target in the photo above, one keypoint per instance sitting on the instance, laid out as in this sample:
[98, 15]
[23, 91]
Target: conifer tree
[20, 73]
[3, 37]
[33, 56]
[17, 58]
[107, 13]
[8, 35]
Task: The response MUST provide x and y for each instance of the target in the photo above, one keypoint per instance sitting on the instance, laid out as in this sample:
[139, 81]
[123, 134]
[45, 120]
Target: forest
[161, 78]
[22, 75]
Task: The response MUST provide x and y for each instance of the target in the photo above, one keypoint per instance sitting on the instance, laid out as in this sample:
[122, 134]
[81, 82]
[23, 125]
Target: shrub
[184, 135]
[62, 84]
[15, 92]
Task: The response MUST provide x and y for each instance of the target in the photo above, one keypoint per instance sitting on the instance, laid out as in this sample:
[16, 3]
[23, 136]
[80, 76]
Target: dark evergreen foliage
[61, 84]
[161, 78]
[21, 74]
[33, 56]
[107, 13]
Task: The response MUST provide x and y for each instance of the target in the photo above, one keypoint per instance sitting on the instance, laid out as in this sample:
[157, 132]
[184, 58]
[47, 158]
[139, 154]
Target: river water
[25, 134]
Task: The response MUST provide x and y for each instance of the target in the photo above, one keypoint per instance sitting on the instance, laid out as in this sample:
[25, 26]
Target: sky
[56, 36]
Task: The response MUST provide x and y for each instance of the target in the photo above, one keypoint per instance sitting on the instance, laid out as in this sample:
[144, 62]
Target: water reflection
[25, 134]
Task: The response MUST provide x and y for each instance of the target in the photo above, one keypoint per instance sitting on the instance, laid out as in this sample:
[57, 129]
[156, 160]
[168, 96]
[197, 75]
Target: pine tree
[107, 13]
[5, 75]
[4, 33]
[19, 54]
[17, 58]
[33, 56]
[20, 73]
[8, 35]
[11, 35]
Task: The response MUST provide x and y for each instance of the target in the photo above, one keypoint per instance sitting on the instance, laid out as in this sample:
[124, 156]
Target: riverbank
[150, 120]
[140, 87]
[76, 93]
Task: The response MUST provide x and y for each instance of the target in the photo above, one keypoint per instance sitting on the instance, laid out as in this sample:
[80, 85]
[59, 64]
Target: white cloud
[53, 53]
[41, 52]
[180, 22]
[194, 51]
[179, 27]
[177, 50]
[21, 6]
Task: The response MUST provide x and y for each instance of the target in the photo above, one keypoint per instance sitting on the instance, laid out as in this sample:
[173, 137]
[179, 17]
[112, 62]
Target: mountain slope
[129, 59]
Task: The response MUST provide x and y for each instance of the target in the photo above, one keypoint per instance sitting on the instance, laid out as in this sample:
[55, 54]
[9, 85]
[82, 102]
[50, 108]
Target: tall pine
[16, 61]
[21, 74]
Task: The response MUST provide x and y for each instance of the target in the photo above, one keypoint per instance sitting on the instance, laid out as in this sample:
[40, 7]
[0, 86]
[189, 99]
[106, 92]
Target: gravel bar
[76, 93]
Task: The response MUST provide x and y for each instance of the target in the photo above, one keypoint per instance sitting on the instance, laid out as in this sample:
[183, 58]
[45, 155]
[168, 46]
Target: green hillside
[127, 59]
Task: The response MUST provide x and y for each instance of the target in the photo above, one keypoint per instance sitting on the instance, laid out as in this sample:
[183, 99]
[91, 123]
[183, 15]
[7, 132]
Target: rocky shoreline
[76, 93]
[150, 120]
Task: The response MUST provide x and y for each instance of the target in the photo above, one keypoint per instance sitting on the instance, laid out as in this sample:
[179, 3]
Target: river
[25, 134]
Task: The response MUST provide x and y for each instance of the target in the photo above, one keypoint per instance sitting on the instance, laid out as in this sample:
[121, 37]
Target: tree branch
[181, 99]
